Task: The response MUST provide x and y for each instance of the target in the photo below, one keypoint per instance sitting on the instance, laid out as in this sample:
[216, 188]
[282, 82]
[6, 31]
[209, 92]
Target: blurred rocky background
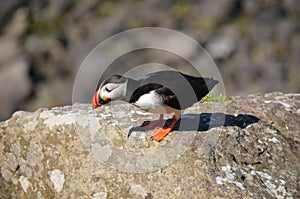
[255, 43]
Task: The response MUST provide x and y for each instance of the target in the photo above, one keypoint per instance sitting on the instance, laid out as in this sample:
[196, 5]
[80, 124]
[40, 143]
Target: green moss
[210, 98]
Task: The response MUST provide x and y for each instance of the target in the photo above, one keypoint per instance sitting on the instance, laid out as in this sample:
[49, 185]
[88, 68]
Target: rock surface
[252, 151]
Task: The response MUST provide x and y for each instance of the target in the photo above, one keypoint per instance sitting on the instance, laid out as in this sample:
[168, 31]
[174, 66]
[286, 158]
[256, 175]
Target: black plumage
[178, 90]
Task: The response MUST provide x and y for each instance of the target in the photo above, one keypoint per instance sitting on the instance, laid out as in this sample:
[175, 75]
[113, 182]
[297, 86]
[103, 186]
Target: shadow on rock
[205, 121]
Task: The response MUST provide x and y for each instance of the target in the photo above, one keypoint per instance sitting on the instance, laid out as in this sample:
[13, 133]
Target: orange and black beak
[98, 100]
[95, 103]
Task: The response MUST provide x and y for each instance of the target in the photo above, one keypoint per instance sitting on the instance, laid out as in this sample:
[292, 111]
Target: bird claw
[129, 133]
[159, 132]
[145, 123]
[133, 129]
[150, 125]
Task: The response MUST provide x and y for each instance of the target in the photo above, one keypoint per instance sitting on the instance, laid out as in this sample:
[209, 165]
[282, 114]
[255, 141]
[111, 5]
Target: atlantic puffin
[159, 92]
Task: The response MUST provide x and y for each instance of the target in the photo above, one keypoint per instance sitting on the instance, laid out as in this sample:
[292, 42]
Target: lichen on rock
[58, 179]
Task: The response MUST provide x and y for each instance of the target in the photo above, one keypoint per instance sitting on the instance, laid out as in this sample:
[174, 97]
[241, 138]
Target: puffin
[159, 92]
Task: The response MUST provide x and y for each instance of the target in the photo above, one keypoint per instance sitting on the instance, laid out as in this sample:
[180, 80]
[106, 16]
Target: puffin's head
[112, 88]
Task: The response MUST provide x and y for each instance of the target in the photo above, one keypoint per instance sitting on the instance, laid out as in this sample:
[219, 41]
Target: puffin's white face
[113, 90]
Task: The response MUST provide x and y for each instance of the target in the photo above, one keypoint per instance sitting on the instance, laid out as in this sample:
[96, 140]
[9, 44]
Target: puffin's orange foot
[160, 133]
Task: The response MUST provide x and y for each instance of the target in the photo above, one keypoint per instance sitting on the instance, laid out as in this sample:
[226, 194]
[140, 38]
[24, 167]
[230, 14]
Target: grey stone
[251, 151]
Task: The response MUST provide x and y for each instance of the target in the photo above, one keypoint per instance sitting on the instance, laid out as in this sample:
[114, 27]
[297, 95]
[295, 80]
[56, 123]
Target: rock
[58, 179]
[252, 151]
[138, 190]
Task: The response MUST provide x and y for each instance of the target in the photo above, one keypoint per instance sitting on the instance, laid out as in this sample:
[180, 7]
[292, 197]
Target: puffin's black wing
[178, 90]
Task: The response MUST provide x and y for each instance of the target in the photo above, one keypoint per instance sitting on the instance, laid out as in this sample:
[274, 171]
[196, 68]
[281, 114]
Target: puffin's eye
[107, 89]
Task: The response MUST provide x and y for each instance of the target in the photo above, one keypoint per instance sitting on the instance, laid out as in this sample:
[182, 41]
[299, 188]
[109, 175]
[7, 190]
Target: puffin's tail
[204, 86]
[210, 83]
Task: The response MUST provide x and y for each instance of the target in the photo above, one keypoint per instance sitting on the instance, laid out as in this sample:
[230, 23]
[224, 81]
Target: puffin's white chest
[151, 102]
